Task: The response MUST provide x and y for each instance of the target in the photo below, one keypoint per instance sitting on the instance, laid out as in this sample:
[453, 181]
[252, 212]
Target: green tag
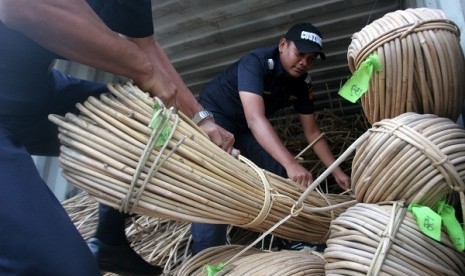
[428, 221]
[452, 225]
[213, 269]
[156, 122]
[358, 84]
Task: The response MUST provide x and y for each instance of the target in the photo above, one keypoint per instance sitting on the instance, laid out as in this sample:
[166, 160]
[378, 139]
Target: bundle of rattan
[158, 241]
[172, 170]
[384, 239]
[414, 157]
[423, 64]
[254, 262]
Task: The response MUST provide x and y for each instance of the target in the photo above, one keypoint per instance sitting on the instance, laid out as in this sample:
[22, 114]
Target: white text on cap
[311, 36]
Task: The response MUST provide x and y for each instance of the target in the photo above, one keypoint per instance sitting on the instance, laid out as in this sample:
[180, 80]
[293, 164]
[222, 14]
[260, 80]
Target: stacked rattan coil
[411, 158]
[423, 64]
[414, 157]
[254, 262]
[384, 239]
[172, 170]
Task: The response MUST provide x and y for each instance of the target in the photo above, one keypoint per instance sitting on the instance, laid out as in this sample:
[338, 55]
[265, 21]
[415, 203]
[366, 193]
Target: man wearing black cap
[241, 98]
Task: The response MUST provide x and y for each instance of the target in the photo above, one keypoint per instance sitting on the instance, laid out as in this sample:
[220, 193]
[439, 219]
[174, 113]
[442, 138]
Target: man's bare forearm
[73, 30]
[185, 100]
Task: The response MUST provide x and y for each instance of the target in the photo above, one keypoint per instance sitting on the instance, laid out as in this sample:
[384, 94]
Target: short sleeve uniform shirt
[260, 72]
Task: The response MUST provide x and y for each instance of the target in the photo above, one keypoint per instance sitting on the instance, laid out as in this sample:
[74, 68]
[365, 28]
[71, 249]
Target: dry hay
[339, 130]
[384, 239]
[423, 64]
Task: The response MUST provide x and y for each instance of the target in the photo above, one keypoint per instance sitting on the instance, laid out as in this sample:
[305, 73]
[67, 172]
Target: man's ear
[282, 44]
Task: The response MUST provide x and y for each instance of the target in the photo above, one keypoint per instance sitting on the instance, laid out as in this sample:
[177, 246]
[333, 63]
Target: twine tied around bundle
[159, 125]
[186, 177]
[422, 64]
[432, 152]
[398, 213]
[297, 206]
[158, 138]
[437, 158]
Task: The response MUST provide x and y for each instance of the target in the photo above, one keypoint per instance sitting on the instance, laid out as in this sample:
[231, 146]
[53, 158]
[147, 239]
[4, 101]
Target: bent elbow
[251, 124]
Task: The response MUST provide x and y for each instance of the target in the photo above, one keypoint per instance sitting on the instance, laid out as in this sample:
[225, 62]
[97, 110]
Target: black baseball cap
[306, 38]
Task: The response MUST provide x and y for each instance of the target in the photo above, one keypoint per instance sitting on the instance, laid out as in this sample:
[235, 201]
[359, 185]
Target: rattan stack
[412, 158]
[130, 152]
[254, 262]
[384, 239]
[423, 64]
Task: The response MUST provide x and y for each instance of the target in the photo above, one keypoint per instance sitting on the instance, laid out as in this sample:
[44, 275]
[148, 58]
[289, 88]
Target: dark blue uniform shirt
[261, 72]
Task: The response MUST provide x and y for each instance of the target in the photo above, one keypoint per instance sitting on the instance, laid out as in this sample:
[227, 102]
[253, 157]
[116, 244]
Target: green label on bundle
[452, 225]
[157, 121]
[428, 221]
[213, 269]
[358, 84]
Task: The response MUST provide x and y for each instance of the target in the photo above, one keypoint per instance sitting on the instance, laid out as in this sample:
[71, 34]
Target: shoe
[121, 259]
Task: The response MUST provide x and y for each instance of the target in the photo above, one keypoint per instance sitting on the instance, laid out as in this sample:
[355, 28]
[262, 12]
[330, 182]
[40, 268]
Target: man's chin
[296, 74]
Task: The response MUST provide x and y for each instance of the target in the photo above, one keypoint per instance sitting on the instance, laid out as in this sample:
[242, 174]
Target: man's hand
[342, 179]
[218, 135]
[299, 174]
[159, 86]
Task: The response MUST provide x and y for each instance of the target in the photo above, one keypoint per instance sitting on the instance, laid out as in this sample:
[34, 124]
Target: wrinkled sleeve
[250, 74]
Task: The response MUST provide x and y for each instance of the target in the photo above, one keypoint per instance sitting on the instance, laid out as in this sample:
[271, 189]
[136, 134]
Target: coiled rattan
[254, 262]
[423, 64]
[384, 239]
[414, 157]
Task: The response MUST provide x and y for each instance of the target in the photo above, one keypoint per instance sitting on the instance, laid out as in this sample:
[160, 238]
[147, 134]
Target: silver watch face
[201, 115]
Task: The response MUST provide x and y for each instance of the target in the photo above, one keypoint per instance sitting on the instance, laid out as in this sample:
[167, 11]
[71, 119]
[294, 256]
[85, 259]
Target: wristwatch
[201, 116]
